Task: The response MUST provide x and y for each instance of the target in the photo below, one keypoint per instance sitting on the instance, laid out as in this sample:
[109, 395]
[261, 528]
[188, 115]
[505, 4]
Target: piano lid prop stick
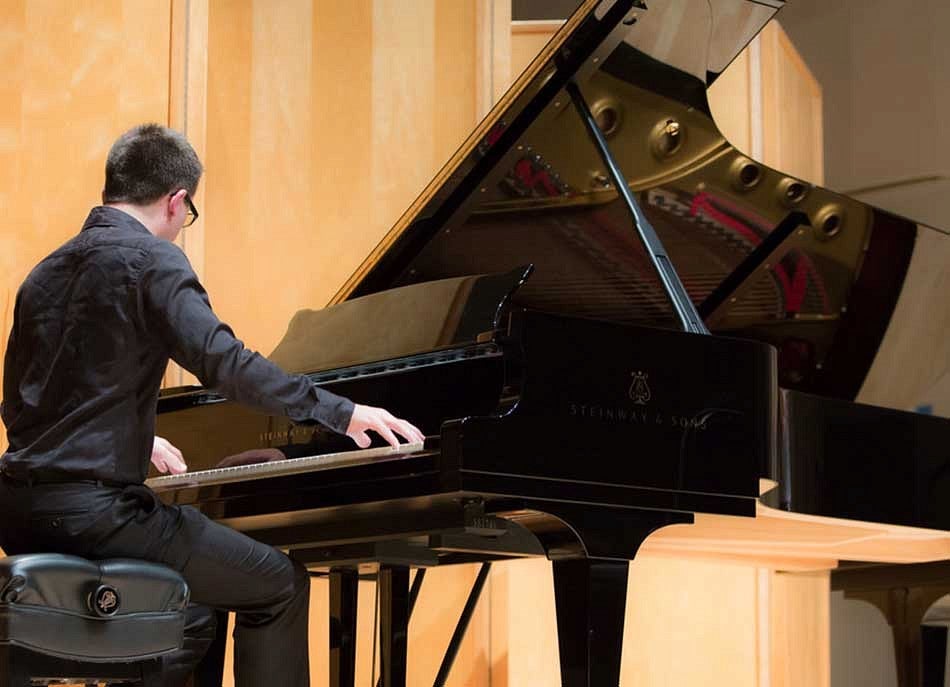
[682, 305]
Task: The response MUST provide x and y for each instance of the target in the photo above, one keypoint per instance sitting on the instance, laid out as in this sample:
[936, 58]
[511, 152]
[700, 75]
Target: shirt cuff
[332, 411]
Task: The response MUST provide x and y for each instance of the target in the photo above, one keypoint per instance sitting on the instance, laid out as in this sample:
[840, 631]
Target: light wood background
[75, 76]
[768, 105]
[324, 121]
[319, 122]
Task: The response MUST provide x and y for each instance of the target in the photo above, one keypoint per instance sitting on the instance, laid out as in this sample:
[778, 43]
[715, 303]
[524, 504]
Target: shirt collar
[104, 216]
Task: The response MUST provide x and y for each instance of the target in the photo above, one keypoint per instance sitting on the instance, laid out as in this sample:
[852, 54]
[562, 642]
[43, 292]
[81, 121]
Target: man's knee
[293, 582]
[291, 598]
[301, 579]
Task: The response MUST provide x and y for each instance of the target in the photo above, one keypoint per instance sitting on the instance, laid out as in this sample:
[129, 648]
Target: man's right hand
[167, 458]
[379, 420]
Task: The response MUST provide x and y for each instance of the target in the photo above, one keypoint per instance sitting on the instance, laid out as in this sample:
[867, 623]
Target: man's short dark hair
[148, 162]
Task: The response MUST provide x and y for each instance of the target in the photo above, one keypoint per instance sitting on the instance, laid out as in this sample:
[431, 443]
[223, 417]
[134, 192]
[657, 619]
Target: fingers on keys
[361, 438]
[383, 423]
[170, 459]
[388, 426]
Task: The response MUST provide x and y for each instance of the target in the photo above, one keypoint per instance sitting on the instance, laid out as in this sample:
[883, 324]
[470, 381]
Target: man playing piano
[95, 324]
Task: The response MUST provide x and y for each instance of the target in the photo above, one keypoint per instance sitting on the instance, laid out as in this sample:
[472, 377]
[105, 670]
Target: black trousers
[225, 569]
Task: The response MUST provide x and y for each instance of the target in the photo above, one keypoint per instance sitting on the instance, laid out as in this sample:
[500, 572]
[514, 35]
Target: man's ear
[177, 198]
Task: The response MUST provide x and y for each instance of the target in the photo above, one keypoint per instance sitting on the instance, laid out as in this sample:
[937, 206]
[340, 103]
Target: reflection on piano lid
[443, 314]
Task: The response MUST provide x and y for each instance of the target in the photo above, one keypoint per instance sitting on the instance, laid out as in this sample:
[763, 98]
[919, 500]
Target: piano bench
[64, 618]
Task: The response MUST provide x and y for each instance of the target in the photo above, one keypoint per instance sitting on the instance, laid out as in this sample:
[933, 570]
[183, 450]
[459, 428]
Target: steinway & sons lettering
[288, 435]
[636, 416]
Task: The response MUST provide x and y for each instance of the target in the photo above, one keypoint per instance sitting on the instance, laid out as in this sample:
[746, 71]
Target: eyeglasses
[191, 213]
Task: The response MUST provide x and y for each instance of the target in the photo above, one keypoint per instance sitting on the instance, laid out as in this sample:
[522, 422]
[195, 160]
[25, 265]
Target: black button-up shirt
[94, 326]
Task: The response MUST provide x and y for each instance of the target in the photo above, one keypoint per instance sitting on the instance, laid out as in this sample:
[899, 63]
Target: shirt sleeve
[176, 308]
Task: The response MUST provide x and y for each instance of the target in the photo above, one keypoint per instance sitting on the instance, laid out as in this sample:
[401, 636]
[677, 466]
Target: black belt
[32, 478]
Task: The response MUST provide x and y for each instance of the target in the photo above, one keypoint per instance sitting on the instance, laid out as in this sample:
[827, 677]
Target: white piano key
[290, 466]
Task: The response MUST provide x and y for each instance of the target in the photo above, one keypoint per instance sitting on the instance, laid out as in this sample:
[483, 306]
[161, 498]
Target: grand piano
[610, 324]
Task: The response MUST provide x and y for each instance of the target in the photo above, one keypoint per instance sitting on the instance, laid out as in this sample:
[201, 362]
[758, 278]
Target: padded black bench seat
[60, 612]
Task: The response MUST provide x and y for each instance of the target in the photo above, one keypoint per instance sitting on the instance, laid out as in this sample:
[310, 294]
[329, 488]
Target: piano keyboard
[290, 466]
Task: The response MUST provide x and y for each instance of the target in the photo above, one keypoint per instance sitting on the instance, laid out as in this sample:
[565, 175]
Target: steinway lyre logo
[639, 389]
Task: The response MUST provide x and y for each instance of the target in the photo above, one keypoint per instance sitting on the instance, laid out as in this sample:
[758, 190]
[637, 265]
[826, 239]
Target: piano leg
[344, 585]
[393, 624]
[933, 644]
[904, 609]
[590, 595]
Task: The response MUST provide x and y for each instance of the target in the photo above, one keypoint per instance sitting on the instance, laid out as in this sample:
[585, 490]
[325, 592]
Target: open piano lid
[529, 187]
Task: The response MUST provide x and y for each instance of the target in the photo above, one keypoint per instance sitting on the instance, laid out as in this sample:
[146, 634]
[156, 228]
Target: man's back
[94, 326]
[82, 371]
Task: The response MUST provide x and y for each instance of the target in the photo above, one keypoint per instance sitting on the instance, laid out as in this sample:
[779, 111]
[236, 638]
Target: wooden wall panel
[325, 121]
[528, 38]
[440, 603]
[767, 103]
[75, 76]
[687, 622]
[343, 178]
[493, 53]
[263, 251]
[523, 628]
[680, 633]
[800, 629]
[791, 109]
[187, 112]
[404, 105]
[730, 99]
[188, 103]
[228, 160]
[455, 69]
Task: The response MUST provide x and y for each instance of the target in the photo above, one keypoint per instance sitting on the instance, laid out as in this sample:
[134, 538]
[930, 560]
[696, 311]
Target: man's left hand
[167, 458]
